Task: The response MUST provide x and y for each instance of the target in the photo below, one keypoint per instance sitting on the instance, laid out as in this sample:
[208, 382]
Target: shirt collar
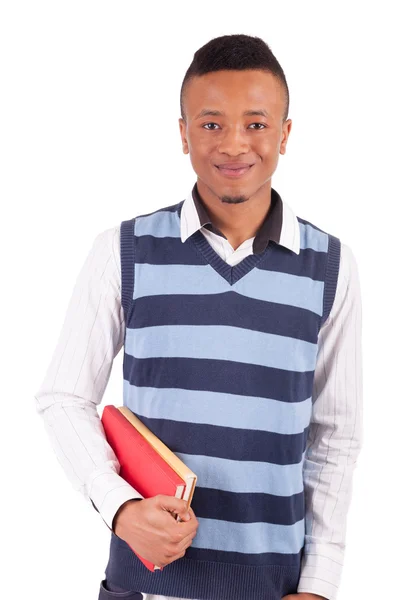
[280, 225]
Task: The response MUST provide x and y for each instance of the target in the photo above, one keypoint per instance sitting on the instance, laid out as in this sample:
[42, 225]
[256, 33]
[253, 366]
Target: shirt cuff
[108, 492]
[321, 570]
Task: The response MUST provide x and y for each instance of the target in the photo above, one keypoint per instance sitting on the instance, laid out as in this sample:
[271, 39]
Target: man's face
[233, 136]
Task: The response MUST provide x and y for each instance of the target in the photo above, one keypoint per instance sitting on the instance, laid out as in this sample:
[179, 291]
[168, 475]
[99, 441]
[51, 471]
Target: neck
[237, 221]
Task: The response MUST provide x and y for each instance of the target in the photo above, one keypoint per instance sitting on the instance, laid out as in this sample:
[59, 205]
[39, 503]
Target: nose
[233, 141]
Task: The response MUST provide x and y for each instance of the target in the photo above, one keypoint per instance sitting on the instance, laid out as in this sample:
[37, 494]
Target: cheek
[202, 144]
[199, 161]
[266, 145]
[201, 153]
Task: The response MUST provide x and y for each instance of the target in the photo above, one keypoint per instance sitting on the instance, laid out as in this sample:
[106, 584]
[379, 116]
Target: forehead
[234, 92]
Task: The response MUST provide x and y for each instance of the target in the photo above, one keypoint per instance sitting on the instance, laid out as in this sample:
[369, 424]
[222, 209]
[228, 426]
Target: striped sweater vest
[219, 363]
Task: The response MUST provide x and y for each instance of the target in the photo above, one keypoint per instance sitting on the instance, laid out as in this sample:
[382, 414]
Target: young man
[241, 328]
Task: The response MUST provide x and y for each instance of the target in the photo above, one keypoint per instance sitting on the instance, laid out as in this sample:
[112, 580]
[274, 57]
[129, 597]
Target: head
[234, 107]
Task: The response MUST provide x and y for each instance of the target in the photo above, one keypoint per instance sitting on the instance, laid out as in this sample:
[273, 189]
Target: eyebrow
[217, 113]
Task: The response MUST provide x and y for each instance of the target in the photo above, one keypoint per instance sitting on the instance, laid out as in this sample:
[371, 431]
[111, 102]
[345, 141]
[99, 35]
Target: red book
[146, 463]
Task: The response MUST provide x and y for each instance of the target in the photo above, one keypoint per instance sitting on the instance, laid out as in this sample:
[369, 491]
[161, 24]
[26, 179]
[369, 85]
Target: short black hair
[235, 52]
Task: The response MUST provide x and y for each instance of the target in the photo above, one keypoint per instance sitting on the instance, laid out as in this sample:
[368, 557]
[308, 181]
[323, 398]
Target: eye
[262, 124]
[208, 124]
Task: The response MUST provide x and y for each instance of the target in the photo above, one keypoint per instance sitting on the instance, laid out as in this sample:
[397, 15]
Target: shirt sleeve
[91, 336]
[334, 436]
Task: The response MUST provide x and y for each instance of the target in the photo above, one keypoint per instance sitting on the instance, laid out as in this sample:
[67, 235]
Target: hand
[149, 528]
[304, 596]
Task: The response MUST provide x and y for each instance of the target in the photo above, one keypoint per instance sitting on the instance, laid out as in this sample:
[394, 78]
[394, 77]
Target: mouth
[233, 173]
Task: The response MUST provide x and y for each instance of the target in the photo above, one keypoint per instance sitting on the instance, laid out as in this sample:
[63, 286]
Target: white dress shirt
[93, 334]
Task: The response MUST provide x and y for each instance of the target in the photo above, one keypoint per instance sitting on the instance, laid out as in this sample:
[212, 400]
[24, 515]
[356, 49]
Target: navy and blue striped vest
[219, 363]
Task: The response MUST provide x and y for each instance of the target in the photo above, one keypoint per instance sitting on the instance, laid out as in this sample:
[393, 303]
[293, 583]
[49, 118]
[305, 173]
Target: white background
[89, 137]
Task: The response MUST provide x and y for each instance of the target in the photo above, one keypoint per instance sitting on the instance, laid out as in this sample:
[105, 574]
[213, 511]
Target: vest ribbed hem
[127, 264]
[331, 277]
[188, 578]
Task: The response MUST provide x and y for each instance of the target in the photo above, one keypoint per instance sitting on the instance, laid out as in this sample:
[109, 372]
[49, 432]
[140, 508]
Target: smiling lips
[234, 169]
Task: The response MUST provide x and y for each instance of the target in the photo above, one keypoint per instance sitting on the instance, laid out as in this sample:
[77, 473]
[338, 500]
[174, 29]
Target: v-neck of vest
[232, 274]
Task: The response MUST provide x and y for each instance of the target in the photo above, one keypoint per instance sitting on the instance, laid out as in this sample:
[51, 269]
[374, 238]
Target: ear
[182, 130]
[287, 126]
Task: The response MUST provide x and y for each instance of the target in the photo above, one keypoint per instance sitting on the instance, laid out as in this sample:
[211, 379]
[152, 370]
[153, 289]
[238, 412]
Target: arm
[335, 436]
[73, 387]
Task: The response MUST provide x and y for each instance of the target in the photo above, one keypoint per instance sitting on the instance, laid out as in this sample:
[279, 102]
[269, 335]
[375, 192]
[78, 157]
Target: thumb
[174, 505]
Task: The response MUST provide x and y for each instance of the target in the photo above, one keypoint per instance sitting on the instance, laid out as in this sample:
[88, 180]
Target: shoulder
[162, 221]
[312, 236]
[348, 291]
[106, 237]
[348, 263]
[342, 254]
[349, 288]
[106, 247]
[310, 231]
[164, 209]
